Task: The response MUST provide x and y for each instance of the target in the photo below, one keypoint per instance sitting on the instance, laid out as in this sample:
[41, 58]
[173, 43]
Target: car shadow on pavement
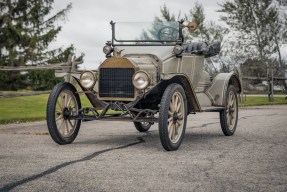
[51, 170]
[151, 139]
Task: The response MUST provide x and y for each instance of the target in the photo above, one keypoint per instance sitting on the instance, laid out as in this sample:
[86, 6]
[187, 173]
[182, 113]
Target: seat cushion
[194, 48]
[201, 48]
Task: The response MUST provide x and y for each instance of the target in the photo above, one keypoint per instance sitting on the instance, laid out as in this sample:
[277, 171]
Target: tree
[197, 15]
[152, 33]
[26, 30]
[279, 31]
[262, 27]
[45, 79]
[207, 31]
[251, 18]
[166, 15]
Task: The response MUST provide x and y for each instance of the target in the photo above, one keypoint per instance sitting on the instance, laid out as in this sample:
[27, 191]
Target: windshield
[153, 32]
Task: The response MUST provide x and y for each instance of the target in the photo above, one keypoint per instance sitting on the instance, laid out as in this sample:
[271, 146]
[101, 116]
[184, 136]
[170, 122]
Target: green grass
[28, 108]
[256, 101]
[31, 108]
[15, 92]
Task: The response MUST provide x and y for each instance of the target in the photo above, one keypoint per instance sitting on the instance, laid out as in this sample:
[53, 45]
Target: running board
[110, 118]
[212, 109]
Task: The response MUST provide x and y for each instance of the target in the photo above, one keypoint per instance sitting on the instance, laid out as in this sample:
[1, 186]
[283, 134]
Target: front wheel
[229, 116]
[172, 117]
[63, 104]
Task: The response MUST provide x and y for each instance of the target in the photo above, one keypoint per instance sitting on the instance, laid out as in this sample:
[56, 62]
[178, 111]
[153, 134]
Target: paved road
[110, 156]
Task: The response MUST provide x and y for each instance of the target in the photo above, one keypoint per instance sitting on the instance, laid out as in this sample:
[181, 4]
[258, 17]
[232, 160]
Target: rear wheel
[172, 117]
[63, 104]
[142, 126]
[229, 116]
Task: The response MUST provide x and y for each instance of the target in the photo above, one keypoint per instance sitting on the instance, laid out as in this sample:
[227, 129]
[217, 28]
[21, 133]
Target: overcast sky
[87, 25]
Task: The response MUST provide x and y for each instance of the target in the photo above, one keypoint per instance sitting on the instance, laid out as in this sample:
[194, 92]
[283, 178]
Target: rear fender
[217, 90]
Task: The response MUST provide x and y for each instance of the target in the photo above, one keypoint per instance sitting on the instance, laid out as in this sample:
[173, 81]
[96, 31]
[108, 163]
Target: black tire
[229, 116]
[142, 126]
[172, 122]
[63, 102]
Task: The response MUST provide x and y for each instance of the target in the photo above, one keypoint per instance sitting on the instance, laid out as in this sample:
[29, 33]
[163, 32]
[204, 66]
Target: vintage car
[152, 74]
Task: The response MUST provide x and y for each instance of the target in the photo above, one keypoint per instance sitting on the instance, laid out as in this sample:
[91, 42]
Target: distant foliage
[26, 30]
[260, 31]
[166, 15]
[208, 32]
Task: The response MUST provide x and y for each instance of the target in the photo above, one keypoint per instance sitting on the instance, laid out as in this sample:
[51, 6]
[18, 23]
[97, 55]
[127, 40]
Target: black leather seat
[194, 48]
[201, 48]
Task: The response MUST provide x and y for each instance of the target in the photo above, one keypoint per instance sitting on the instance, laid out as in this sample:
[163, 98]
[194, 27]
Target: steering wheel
[167, 34]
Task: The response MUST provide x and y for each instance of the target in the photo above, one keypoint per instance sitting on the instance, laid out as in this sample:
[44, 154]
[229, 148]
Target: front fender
[66, 74]
[154, 95]
[217, 90]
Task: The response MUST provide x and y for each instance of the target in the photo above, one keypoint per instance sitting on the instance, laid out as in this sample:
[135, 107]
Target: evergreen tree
[152, 33]
[45, 79]
[26, 31]
[197, 15]
[166, 15]
[208, 32]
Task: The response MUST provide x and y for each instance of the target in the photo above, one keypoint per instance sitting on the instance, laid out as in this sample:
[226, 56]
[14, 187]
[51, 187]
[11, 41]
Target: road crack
[51, 170]
[250, 116]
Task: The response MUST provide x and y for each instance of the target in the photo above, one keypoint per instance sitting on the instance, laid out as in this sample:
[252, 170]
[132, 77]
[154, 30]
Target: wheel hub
[175, 117]
[66, 113]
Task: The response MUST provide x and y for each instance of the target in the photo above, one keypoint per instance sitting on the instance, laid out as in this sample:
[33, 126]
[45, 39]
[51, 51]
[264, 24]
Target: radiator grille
[116, 83]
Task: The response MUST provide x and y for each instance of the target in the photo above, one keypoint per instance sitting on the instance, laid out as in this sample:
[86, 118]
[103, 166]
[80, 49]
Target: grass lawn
[27, 108]
[260, 100]
[31, 108]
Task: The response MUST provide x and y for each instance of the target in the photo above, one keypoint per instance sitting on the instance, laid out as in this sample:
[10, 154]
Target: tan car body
[202, 92]
[148, 79]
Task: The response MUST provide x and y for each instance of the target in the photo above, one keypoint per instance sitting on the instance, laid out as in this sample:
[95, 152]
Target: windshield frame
[116, 42]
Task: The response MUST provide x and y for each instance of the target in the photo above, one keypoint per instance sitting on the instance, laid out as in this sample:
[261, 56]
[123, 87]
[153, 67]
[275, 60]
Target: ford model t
[152, 74]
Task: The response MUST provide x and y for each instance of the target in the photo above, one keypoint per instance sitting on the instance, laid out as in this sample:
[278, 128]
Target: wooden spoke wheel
[229, 116]
[62, 108]
[172, 117]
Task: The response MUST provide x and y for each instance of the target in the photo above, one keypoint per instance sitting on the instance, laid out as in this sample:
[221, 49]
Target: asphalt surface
[113, 156]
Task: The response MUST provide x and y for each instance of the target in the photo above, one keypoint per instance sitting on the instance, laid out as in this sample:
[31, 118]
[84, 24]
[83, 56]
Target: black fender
[153, 96]
[91, 95]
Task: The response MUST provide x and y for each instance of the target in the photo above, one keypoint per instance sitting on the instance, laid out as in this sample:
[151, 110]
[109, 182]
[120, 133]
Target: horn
[192, 26]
